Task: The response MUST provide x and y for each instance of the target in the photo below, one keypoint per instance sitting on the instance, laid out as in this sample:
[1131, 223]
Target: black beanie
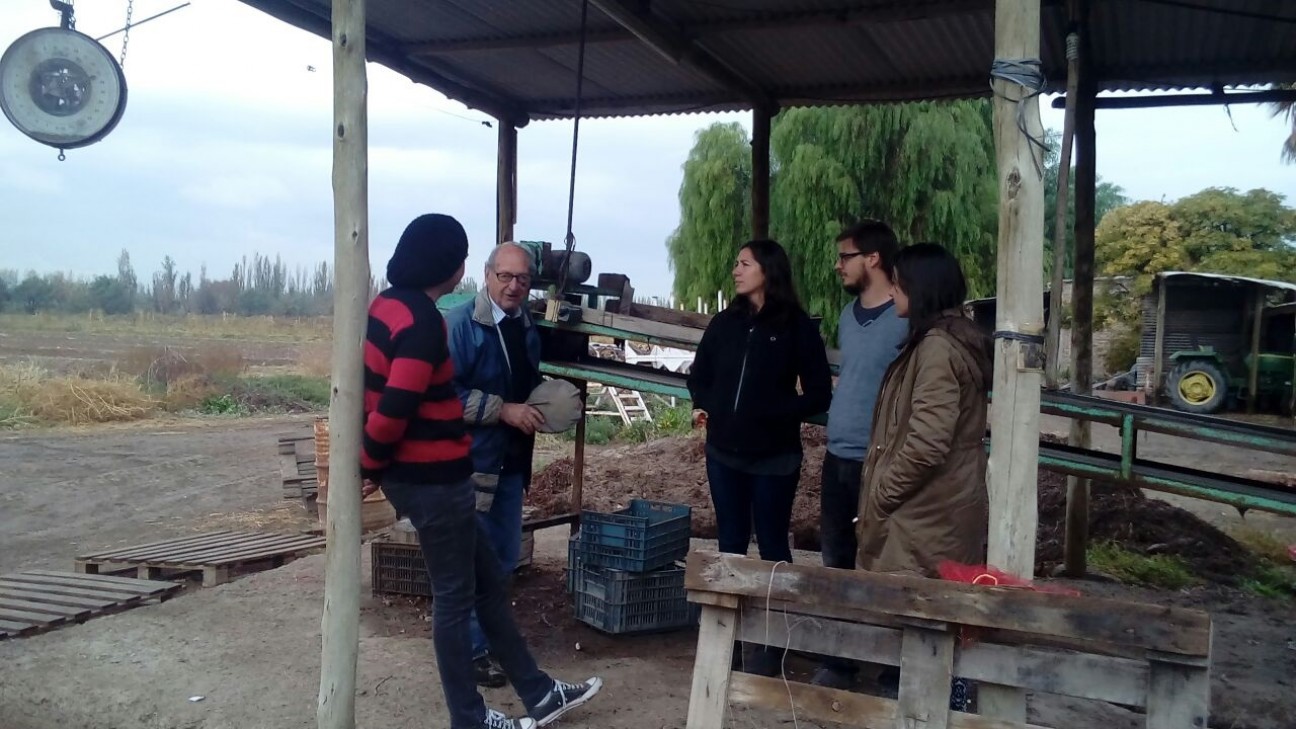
[429, 252]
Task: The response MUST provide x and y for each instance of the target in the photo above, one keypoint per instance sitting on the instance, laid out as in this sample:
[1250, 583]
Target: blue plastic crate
[644, 537]
[620, 602]
[573, 561]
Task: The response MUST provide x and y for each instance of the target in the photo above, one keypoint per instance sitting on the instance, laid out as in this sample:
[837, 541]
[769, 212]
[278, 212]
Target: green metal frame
[1129, 418]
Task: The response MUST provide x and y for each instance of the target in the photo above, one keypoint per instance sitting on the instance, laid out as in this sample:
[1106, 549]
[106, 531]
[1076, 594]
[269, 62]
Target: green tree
[33, 294]
[111, 295]
[1287, 110]
[1217, 230]
[715, 217]
[1107, 197]
[925, 168]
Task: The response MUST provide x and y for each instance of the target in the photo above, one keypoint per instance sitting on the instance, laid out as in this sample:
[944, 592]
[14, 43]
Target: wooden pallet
[39, 600]
[216, 555]
[297, 467]
[1152, 657]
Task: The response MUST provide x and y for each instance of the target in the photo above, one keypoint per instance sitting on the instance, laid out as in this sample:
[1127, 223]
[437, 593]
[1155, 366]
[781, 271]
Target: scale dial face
[61, 88]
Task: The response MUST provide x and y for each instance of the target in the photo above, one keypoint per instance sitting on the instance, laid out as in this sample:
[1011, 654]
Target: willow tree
[715, 214]
[927, 169]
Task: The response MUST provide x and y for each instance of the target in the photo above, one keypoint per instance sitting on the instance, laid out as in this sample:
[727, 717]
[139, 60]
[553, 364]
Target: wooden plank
[55, 588]
[114, 554]
[1178, 695]
[207, 553]
[284, 550]
[186, 551]
[106, 582]
[1115, 680]
[1155, 627]
[841, 707]
[58, 611]
[280, 544]
[14, 627]
[823, 636]
[213, 576]
[33, 617]
[711, 669]
[926, 670]
[52, 598]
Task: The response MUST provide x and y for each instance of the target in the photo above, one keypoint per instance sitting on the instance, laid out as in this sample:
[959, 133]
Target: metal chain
[130, 8]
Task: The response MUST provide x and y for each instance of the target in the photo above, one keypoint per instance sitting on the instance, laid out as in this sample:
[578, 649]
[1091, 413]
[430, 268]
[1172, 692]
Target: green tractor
[1201, 380]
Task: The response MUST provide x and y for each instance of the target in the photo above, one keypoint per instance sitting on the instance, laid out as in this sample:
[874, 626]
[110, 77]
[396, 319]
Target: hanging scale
[62, 88]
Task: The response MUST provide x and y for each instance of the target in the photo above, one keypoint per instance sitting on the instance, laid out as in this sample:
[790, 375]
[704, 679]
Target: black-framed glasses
[844, 257]
[506, 278]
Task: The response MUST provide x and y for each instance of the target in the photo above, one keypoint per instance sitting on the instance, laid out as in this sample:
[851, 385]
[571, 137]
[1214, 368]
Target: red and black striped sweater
[414, 430]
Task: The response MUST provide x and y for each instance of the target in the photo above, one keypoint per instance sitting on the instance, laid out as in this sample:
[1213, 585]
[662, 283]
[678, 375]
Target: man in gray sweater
[869, 337]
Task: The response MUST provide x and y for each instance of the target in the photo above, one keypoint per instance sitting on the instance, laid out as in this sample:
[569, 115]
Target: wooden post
[578, 462]
[506, 181]
[1253, 372]
[760, 171]
[340, 625]
[1158, 337]
[1076, 538]
[1053, 346]
[1014, 413]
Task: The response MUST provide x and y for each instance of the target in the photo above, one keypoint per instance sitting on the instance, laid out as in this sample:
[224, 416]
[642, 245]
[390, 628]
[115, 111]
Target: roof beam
[1212, 99]
[900, 10]
[674, 46]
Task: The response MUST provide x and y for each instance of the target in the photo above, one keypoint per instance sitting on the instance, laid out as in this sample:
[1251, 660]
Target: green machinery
[1201, 380]
[1222, 342]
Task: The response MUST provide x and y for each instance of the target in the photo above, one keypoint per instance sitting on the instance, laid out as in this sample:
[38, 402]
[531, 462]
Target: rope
[570, 240]
[1026, 73]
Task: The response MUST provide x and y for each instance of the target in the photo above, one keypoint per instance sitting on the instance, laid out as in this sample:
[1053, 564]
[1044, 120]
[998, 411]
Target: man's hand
[521, 416]
[367, 487]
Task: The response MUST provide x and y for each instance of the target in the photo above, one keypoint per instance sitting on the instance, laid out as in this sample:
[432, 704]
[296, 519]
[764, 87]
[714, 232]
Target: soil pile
[674, 470]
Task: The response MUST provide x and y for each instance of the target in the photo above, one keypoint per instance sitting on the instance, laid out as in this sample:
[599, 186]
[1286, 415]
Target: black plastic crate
[620, 602]
[399, 569]
[644, 537]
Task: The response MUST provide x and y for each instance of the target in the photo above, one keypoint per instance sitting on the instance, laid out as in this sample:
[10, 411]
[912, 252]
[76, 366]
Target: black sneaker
[487, 673]
[564, 697]
[497, 720]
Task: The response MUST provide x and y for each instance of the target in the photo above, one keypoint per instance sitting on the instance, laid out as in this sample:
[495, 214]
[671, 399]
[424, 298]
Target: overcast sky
[225, 150]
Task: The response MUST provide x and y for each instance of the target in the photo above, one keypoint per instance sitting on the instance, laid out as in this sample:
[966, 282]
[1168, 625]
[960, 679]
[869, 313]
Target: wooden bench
[1145, 656]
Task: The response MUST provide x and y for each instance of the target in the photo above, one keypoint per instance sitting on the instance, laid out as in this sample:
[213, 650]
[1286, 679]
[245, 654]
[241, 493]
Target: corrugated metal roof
[518, 57]
[1268, 283]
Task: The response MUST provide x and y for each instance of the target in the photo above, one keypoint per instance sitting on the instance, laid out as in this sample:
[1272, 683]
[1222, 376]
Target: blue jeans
[743, 498]
[465, 573]
[504, 529]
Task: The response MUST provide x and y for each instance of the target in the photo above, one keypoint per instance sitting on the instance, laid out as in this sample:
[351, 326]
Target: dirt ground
[251, 648]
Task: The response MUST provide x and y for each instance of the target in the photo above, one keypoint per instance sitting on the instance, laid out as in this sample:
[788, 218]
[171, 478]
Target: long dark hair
[781, 301]
[933, 280]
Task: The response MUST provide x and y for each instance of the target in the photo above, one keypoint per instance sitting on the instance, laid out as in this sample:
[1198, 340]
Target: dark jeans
[465, 574]
[838, 507]
[741, 498]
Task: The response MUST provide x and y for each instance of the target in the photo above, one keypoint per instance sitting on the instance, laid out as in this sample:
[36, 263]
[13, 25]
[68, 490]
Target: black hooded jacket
[745, 377]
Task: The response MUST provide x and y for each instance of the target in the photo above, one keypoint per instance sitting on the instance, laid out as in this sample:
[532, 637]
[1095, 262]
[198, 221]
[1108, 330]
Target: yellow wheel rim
[1197, 388]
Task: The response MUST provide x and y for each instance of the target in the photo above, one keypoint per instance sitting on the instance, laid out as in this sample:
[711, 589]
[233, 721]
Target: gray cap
[559, 402]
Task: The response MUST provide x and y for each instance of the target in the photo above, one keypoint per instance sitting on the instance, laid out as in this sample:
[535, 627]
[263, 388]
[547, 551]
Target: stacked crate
[622, 569]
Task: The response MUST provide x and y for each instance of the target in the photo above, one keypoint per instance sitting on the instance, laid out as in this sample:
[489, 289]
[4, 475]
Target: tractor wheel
[1198, 386]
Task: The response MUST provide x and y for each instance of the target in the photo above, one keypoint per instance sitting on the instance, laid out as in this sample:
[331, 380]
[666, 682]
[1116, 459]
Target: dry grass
[1263, 544]
[263, 328]
[315, 360]
[32, 395]
[160, 367]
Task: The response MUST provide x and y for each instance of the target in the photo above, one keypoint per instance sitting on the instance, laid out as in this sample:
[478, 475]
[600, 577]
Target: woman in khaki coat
[923, 497]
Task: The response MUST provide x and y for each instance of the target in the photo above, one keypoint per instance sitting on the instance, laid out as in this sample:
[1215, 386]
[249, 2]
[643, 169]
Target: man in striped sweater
[417, 449]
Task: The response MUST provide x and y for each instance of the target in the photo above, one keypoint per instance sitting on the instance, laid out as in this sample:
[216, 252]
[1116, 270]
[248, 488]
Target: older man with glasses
[496, 353]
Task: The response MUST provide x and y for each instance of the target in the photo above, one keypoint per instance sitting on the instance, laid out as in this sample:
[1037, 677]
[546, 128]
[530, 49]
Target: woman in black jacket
[743, 382]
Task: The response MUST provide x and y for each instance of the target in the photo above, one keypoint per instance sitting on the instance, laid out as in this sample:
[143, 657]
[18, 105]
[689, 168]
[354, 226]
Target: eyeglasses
[506, 278]
[844, 257]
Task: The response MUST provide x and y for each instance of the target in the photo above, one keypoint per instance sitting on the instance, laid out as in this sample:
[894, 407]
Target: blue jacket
[481, 376]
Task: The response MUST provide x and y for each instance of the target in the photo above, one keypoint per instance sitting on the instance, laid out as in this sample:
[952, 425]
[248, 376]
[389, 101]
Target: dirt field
[251, 649]
[79, 350]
